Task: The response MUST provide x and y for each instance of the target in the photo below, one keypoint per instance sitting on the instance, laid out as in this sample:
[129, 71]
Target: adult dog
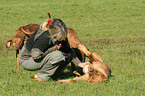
[21, 36]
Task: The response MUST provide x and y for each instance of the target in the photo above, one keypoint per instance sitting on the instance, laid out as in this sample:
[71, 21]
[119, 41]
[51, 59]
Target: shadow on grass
[68, 74]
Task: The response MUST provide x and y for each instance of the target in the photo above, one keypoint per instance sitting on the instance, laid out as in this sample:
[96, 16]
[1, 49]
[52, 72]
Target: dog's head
[17, 43]
[97, 71]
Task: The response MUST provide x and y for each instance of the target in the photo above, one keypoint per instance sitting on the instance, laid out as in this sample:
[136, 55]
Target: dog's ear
[49, 16]
[8, 44]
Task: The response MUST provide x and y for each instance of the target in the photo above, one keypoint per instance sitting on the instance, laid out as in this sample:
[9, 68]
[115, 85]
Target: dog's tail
[25, 32]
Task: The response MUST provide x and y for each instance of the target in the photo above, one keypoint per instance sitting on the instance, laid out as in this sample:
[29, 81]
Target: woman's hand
[57, 47]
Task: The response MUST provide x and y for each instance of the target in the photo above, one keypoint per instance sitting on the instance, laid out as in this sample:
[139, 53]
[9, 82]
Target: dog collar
[48, 22]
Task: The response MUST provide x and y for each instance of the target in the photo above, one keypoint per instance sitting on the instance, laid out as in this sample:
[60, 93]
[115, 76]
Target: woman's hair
[58, 30]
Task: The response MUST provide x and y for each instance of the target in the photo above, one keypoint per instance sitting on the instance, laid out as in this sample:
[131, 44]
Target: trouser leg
[29, 64]
[53, 61]
[61, 67]
[48, 66]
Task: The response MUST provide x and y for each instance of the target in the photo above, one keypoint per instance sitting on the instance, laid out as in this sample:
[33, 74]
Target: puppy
[95, 71]
[21, 36]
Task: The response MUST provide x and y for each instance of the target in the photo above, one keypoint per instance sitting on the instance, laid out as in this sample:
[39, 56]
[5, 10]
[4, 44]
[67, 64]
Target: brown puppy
[21, 35]
[94, 72]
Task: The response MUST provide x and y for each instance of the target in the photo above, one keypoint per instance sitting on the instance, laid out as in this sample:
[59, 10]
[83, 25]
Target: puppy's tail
[25, 32]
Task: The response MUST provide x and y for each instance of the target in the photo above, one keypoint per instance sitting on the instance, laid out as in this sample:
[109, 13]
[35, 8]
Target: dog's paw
[77, 73]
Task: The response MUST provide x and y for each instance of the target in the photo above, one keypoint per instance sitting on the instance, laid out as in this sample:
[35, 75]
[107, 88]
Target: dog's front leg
[17, 67]
[66, 80]
[81, 78]
[76, 72]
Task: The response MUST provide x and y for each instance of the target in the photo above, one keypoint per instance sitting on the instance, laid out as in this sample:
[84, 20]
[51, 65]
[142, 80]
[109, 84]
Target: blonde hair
[60, 30]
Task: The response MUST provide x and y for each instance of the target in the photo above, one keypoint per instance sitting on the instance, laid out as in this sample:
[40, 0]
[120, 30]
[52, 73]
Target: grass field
[115, 29]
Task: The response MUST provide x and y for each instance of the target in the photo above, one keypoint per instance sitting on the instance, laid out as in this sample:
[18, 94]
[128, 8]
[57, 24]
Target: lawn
[115, 29]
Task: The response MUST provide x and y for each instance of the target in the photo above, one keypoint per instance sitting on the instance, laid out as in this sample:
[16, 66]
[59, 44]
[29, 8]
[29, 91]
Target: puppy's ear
[49, 16]
[8, 44]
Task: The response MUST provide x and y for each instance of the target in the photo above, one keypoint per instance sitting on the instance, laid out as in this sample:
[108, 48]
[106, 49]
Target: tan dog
[94, 72]
[21, 35]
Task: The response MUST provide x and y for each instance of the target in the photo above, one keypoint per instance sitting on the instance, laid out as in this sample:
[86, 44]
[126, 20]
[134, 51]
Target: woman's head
[57, 29]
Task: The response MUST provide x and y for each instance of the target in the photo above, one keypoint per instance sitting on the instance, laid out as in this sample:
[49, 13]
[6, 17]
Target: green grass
[115, 29]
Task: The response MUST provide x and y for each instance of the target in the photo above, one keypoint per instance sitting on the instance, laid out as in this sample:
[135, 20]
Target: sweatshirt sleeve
[38, 55]
[70, 52]
[76, 61]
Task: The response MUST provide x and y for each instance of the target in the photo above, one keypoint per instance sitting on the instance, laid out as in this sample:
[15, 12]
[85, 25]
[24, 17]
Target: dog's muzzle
[88, 68]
